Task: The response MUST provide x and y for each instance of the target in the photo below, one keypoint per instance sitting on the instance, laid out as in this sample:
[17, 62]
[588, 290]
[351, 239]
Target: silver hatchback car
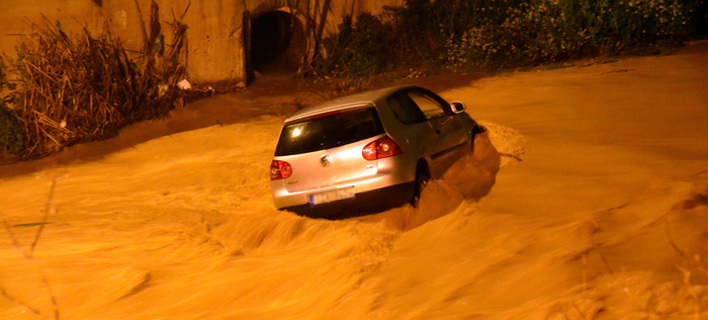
[369, 151]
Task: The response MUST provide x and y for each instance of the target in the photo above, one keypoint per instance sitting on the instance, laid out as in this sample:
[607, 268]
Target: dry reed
[80, 87]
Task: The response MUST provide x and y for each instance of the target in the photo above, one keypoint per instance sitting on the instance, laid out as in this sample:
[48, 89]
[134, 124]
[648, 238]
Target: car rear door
[444, 137]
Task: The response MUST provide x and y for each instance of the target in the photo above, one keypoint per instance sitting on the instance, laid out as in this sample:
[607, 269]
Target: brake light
[381, 148]
[280, 170]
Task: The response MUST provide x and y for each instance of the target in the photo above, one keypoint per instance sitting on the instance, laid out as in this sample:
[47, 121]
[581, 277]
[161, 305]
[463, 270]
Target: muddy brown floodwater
[585, 199]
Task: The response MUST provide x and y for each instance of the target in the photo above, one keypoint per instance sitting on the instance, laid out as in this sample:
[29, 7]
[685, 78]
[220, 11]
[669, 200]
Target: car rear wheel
[421, 180]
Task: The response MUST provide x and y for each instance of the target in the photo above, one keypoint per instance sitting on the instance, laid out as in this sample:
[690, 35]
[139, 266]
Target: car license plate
[331, 196]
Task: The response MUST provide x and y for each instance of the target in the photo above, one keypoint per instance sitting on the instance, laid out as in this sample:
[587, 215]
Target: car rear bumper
[363, 203]
[388, 172]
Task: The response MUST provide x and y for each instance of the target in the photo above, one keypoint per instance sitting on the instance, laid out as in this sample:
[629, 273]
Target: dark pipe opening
[276, 42]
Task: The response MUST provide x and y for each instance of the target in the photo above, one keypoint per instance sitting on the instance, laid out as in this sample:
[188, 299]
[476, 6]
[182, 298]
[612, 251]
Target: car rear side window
[416, 105]
[329, 131]
[405, 108]
[430, 108]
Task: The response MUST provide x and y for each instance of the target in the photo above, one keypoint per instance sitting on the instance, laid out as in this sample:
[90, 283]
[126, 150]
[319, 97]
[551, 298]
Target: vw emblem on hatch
[325, 160]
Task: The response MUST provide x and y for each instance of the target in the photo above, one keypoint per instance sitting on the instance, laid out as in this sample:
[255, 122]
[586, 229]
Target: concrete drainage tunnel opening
[277, 43]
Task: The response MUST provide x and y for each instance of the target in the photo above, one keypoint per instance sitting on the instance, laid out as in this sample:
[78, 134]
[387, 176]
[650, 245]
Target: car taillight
[280, 170]
[381, 148]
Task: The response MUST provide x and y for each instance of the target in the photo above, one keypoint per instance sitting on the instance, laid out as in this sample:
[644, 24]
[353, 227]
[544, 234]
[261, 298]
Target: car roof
[366, 98]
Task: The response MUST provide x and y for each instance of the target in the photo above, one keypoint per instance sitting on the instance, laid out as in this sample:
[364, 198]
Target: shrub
[11, 138]
[360, 49]
[461, 35]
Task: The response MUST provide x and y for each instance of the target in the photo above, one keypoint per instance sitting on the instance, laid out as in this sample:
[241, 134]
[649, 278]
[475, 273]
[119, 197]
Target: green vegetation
[467, 35]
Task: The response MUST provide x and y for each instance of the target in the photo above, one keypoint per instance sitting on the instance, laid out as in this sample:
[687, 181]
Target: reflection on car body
[375, 149]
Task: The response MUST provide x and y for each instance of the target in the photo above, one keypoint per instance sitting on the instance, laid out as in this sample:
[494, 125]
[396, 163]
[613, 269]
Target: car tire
[421, 180]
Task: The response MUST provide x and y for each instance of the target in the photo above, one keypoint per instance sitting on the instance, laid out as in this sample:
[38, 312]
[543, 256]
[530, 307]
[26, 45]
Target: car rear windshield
[328, 131]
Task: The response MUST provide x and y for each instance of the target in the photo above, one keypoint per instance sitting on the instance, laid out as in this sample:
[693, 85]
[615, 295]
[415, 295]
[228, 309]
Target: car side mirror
[457, 107]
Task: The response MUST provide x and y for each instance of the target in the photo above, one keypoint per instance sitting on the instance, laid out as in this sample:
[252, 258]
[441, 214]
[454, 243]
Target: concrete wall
[214, 35]
[16, 17]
